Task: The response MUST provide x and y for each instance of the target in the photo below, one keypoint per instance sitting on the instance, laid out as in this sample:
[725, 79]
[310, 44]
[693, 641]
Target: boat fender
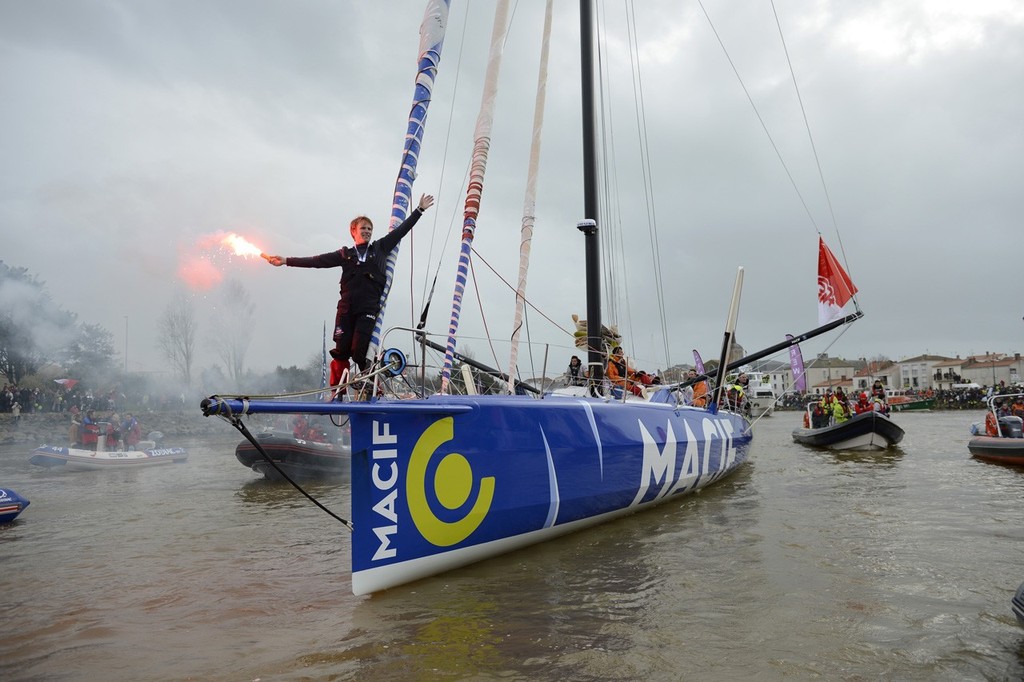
[991, 429]
[807, 420]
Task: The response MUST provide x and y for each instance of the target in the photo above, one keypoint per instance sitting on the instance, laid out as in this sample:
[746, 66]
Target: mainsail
[435, 21]
[530, 201]
[474, 192]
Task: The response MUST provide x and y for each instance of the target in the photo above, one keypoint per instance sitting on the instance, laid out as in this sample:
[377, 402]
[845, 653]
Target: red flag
[835, 288]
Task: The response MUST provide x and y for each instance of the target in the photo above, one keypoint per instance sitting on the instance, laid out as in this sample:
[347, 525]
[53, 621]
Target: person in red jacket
[863, 404]
[363, 273]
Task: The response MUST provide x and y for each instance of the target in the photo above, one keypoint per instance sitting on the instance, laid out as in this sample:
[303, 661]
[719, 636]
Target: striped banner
[432, 30]
[474, 193]
[530, 200]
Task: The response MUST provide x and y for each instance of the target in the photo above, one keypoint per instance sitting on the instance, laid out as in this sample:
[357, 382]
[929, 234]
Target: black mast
[595, 349]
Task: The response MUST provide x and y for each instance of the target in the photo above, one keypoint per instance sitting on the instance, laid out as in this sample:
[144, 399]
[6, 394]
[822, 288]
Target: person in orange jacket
[699, 396]
[621, 375]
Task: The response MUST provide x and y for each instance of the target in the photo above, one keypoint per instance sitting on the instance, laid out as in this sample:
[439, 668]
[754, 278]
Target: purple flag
[796, 363]
[697, 362]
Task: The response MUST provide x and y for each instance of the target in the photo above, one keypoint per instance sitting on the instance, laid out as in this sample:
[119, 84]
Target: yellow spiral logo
[452, 485]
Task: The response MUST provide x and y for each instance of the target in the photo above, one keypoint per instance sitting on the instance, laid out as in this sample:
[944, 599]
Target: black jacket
[362, 279]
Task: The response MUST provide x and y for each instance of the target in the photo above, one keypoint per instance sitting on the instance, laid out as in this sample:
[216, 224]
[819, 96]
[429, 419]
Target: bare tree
[178, 327]
[232, 328]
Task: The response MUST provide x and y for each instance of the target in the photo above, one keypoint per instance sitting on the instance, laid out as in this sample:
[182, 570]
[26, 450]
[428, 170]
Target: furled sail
[432, 30]
[474, 192]
[530, 200]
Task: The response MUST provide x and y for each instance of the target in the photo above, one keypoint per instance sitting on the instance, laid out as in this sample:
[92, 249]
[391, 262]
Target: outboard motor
[1011, 427]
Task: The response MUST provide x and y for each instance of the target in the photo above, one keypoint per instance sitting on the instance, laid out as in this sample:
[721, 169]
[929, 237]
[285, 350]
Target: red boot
[339, 372]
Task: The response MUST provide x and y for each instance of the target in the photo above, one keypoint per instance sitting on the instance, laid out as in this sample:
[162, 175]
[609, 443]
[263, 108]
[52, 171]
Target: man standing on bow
[363, 274]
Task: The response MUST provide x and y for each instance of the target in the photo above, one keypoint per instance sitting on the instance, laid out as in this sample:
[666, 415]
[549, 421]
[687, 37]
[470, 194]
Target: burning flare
[200, 266]
[240, 246]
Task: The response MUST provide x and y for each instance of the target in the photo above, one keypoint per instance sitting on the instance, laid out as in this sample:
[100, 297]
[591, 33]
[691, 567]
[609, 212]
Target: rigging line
[622, 279]
[474, 191]
[615, 261]
[513, 289]
[530, 194]
[447, 144]
[645, 157]
[432, 34]
[483, 315]
[803, 112]
[617, 277]
[604, 234]
[237, 422]
[448, 237]
[452, 222]
[810, 138]
[757, 113]
[529, 348]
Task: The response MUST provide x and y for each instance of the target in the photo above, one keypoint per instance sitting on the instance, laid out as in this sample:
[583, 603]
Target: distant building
[918, 372]
[921, 372]
[948, 373]
[885, 371]
[992, 369]
[824, 372]
[845, 383]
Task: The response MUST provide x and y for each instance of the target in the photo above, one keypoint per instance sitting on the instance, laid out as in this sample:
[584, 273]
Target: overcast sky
[134, 130]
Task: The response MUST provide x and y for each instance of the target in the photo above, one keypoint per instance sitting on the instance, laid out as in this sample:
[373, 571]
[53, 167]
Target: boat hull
[75, 459]
[866, 431]
[997, 449]
[911, 405]
[296, 457]
[762, 406]
[471, 477]
[449, 480]
[11, 505]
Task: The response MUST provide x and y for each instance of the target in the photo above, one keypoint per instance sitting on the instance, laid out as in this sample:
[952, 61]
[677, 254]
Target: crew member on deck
[700, 390]
[363, 274]
[575, 374]
[878, 391]
[621, 375]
